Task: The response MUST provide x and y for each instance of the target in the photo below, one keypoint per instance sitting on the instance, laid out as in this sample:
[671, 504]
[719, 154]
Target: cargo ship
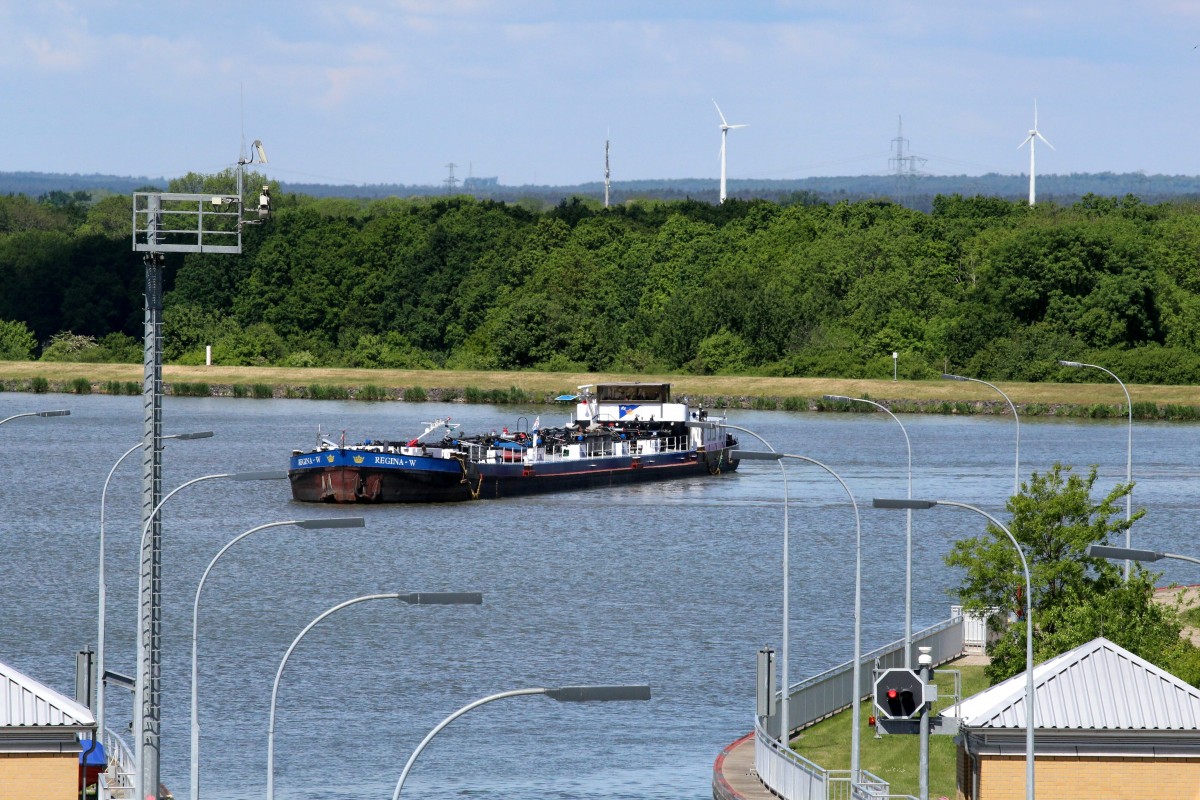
[618, 433]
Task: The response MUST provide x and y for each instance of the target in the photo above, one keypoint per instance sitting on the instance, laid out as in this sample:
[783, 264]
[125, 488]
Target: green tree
[16, 341]
[1075, 598]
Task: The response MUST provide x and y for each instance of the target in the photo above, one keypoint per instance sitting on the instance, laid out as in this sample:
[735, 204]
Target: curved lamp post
[564, 694]
[1017, 459]
[1118, 553]
[144, 622]
[1029, 693]
[857, 667]
[63, 413]
[102, 601]
[411, 598]
[1128, 454]
[785, 732]
[308, 524]
[908, 525]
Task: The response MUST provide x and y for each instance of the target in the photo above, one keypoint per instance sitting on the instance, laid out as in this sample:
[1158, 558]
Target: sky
[391, 91]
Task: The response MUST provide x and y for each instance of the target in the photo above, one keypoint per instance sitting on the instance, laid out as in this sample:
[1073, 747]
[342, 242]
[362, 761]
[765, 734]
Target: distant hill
[36, 184]
[915, 191]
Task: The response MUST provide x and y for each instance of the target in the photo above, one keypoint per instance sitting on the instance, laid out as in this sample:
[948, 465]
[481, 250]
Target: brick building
[1109, 726]
[39, 739]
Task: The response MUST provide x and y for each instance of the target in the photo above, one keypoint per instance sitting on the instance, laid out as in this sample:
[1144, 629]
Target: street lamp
[411, 598]
[145, 621]
[103, 589]
[564, 694]
[753, 455]
[784, 730]
[308, 524]
[1128, 454]
[1029, 693]
[1104, 551]
[1017, 458]
[908, 525]
[63, 413]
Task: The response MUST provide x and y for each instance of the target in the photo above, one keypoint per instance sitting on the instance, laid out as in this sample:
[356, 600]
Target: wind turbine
[1034, 133]
[725, 129]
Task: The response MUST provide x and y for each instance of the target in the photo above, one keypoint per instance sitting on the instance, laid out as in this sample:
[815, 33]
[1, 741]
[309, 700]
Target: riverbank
[1096, 400]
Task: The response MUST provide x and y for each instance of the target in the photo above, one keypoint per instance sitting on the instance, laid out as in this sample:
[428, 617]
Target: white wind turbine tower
[725, 129]
[1034, 133]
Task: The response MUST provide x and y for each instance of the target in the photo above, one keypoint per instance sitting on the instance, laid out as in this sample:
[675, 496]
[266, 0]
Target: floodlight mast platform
[166, 222]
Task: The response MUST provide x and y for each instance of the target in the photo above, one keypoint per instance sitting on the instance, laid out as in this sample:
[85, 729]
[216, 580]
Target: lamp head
[754, 455]
[331, 522]
[1070, 363]
[1120, 553]
[589, 694]
[442, 598]
[946, 376]
[838, 398]
[880, 502]
[63, 413]
[193, 435]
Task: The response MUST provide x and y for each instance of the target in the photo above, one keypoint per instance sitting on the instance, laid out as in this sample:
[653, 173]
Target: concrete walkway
[734, 777]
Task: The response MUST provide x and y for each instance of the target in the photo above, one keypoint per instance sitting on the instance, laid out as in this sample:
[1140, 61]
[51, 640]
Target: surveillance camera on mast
[264, 199]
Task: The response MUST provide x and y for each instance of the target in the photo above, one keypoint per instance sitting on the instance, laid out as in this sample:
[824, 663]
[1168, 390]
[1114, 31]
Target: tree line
[979, 285]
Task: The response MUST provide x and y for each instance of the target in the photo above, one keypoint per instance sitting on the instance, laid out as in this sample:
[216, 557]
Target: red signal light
[892, 694]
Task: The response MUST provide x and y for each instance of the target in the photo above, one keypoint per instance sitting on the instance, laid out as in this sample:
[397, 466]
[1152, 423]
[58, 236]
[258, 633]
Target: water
[676, 585]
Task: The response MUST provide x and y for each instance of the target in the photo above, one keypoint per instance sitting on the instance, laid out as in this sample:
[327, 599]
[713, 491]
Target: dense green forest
[985, 286]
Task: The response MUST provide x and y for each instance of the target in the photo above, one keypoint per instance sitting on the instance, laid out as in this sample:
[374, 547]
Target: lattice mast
[168, 222]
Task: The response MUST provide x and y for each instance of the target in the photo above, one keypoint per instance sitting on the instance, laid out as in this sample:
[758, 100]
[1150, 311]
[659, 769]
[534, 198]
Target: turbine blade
[1043, 138]
[724, 124]
[743, 125]
[1025, 141]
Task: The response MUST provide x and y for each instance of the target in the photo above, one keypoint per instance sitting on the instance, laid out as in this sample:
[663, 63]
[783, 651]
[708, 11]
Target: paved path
[734, 777]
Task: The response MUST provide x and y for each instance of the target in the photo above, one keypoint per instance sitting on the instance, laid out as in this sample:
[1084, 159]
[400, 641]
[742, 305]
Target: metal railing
[793, 777]
[116, 783]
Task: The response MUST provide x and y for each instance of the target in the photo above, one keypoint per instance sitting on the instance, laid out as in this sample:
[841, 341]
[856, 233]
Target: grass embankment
[717, 391]
[894, 758]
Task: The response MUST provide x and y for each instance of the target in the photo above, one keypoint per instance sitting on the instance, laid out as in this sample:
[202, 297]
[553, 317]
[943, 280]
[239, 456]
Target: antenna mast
[607, 173]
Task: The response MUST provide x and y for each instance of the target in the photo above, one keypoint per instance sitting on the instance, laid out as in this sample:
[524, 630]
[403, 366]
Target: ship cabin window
[634, 393]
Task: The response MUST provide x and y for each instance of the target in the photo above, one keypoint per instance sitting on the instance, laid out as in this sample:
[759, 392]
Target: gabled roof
[1096, 686]
[25, 703]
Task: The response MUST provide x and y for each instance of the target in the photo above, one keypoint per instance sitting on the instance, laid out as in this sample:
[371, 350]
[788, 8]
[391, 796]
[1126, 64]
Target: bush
[764, 404]
[16, 342]
[795, 404]
[81, 386]
[414, 394]
[240, 390]
[185, 389]
[257, 345]
[263, 391]
[39, 385]
[301, 359]
[371, 392]
[320, 392]
[67, 346]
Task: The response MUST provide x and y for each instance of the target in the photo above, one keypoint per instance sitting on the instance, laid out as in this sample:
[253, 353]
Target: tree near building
[1075, 598]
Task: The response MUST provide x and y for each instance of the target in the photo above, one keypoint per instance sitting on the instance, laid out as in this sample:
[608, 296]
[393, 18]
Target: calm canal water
[676, 585]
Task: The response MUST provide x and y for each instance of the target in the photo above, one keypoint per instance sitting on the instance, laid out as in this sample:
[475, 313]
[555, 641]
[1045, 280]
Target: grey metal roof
[1096, 686]
[26, 703]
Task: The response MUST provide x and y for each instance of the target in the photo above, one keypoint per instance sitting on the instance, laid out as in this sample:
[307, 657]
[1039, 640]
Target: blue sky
[527, 90]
